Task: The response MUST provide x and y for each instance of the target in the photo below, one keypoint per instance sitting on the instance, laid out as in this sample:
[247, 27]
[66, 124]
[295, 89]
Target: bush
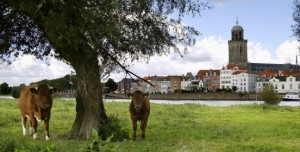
[15, 92]
[112, 127]
[269, 96]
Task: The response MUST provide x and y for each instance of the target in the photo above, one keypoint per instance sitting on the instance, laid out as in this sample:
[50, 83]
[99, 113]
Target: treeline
[66, 84]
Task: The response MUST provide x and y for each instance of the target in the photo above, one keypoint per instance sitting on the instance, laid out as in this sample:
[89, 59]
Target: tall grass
[170, 128]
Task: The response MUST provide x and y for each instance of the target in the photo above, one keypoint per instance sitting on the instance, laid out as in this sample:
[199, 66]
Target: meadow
[185, 127]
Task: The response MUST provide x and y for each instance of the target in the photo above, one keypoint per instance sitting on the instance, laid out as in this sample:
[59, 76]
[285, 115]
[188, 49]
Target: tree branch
[127, 71]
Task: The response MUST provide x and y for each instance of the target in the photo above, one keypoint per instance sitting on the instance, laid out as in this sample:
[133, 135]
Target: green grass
[170, 128]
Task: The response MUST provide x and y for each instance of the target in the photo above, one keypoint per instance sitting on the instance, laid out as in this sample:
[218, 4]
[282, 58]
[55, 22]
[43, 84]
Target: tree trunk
[89, 104]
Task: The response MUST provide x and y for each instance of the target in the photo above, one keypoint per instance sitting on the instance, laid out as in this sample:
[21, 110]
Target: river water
[209, 103]
[197, 102]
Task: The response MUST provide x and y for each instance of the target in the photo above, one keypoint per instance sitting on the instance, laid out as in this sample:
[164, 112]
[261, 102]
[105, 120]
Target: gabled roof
[189, 76]
[234, 67]
[202, 73]
[268, 73]
[239, 72]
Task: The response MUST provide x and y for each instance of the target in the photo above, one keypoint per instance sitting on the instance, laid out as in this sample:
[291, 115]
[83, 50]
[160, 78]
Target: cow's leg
[143, 126]
[23, 121]
[46, 127]
[134, 126]
[34, 125]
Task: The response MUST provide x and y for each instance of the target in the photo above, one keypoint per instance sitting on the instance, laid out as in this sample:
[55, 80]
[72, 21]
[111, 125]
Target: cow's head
[43, 96]
[137, 98]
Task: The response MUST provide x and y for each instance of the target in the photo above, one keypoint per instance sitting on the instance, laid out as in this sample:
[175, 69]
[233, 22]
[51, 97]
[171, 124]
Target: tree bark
[89, 103]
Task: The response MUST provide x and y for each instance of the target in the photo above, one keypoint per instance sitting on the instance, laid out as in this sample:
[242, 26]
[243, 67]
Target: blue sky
[266, 24]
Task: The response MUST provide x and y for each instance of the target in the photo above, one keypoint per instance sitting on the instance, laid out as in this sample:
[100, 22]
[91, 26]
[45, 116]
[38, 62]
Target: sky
[266, 24]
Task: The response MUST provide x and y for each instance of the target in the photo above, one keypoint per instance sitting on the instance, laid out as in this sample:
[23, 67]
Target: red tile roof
[235, 67]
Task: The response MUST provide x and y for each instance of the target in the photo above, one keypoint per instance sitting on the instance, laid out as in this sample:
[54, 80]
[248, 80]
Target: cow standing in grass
[35, 102]
[139, 111]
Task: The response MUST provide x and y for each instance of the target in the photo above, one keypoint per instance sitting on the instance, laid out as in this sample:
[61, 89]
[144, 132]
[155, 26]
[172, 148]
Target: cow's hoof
[48, 138]
[35, 136]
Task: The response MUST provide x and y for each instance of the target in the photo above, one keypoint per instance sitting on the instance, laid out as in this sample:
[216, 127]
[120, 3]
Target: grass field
[170, 128]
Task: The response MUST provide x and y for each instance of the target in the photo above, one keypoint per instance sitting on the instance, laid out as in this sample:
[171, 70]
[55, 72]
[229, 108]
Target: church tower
[238, 46]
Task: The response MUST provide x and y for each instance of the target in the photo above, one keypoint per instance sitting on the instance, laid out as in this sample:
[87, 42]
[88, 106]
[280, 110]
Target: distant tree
[234, 88]
[15, 92]
[296, 17]
[4, 89]
[269, 96]
[111, 85]
[94, 37]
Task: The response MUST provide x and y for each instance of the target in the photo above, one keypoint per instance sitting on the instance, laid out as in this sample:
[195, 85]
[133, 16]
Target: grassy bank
[170, 128]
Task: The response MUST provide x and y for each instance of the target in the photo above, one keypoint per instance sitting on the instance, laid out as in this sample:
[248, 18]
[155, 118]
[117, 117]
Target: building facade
[244, 81]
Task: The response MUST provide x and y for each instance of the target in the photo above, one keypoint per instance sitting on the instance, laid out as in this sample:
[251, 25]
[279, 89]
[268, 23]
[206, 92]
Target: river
[197, 102]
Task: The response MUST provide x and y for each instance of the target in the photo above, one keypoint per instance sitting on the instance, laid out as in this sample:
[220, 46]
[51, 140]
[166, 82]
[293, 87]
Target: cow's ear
[52, 90]
[129, 95]
[146, 94]
[33, 90]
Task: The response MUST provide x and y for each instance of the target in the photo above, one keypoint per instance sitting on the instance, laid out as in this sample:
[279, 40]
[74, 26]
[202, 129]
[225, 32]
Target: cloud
[27, 69]
[207, 53]
[287, 51]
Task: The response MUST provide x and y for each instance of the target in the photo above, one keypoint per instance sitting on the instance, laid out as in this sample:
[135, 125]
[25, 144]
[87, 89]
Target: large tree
[296, 17]
[93, 35]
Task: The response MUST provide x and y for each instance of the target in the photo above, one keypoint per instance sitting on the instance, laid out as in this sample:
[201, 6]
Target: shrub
[113, 127]
[15, 92]
[269, 96]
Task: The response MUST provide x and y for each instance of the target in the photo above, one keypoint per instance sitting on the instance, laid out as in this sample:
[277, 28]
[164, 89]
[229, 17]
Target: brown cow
[35, 102]
[139, 111]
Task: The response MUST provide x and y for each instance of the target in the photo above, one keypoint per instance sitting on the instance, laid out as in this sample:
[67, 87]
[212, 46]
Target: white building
[282, 84]
[186, 85]
[226, 75]
[244, 81]
[165, 86]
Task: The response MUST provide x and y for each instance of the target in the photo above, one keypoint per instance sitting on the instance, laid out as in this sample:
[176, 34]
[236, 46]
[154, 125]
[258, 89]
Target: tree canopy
[296, 17]
[121, 29]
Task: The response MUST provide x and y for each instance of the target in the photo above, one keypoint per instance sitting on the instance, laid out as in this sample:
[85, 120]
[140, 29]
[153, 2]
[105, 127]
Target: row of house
[233, 77]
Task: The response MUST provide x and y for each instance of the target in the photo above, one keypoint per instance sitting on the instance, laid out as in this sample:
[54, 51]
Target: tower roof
[237, 27]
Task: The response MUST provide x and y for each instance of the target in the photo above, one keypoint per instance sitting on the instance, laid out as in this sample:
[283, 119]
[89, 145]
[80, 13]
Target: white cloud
[208, 53]
[27, 69]
[287, 51]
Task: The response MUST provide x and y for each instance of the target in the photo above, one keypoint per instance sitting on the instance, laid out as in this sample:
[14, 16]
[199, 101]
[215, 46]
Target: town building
[210, 79]
[244, 81]
[226, 75]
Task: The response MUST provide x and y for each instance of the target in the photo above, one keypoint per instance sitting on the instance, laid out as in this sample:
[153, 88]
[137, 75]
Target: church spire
[237, 20]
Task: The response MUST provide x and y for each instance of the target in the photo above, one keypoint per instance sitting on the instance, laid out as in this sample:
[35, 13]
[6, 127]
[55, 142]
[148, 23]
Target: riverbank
[197, 96]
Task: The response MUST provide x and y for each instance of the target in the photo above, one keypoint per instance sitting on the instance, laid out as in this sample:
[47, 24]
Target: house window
[291, 79]
[276, 86]
[298, 86]
[291, 86]
[282, 86]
